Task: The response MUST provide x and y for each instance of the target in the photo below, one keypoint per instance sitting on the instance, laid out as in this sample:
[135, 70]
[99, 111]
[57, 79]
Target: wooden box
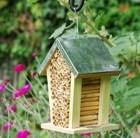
[79, 72]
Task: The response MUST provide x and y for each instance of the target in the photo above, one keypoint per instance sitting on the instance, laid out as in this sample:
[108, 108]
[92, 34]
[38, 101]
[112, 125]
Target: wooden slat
[75, 102]
[89, 108]
[90, 91]
[93, 82]
[89, 104]
[85, 113]
[90, 87]
[90, 79]
[90, 95]
[90, 99]
[91, 122]
[104, 100]
[89, 117]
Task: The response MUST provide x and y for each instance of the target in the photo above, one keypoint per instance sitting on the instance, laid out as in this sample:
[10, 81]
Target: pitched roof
[83, 55]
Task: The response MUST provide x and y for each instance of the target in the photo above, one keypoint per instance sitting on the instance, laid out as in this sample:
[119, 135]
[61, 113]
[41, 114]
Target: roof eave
[98, 74]
[42, 68]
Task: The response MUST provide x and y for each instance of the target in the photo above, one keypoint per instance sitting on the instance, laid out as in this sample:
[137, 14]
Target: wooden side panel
[75, 102]
[49, 90]
[104, 100]
[90, 101]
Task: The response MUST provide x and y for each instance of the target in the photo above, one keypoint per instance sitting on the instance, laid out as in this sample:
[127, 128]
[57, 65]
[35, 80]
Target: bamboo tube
[85, 113]
[90, 99]
[65, 120]
[89, 117]
[65, 104]
[89, 123]
[53, 97]
[64, 108]
[53, 117]
[87, 104]
[89, 108]
[67, 95]
[90, 95]
[61, 59]
[64, 125]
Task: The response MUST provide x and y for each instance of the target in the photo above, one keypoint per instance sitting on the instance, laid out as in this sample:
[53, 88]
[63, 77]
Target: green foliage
[58, 32]
[126, 93]
[26, 27]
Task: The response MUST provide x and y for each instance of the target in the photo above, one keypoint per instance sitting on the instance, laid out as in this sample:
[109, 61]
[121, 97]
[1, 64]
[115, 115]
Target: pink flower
[17, 94]
[6, 81]
[32, 100]
[34, 54]
[33, 74]
[2, 88]
[19, 67]
[27, 87]
[23, 134]
[12, 108]
[8, 126]
[22, 91]
[87, 134]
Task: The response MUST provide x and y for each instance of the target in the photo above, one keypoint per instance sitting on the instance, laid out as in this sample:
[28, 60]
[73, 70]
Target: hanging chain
[74, 7]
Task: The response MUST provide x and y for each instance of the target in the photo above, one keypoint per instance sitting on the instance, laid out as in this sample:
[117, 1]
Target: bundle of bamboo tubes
[90, 101]
[60, 77]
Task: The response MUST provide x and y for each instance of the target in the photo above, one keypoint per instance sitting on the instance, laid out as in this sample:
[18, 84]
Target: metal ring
[74, 7]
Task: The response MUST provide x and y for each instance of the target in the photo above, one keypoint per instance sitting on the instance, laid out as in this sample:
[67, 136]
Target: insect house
[79, 71]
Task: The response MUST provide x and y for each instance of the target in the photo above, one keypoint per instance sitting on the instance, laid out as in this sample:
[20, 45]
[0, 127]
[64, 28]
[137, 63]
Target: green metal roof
[83, 55]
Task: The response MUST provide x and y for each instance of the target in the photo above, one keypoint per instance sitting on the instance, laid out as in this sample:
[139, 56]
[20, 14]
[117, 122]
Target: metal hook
[76, 8]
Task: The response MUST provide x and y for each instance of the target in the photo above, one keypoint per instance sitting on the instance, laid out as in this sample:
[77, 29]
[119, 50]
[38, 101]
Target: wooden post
[104, 100]
[75, 102]
[50, 92]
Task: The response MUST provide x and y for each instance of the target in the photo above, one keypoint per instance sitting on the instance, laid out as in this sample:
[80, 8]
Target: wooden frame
[80, 130]
[49, 90]
[104, 100]
[75, 102]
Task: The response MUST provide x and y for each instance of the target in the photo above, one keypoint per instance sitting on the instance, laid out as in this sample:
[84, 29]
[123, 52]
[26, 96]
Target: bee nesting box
[59, 78]
[79, 73]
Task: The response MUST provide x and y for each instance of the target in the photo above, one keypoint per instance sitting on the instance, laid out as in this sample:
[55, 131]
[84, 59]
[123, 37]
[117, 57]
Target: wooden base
[80, 130]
